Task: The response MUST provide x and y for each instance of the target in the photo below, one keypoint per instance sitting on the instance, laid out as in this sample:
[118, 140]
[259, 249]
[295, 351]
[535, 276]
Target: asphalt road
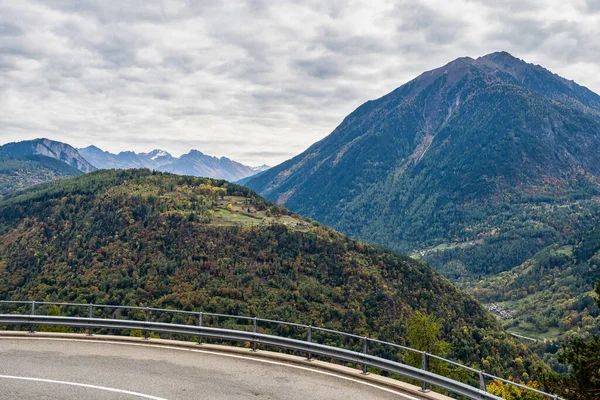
[70, 369]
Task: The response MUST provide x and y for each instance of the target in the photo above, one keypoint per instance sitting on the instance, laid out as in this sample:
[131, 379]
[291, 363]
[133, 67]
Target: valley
[485, 171]
[411, 188]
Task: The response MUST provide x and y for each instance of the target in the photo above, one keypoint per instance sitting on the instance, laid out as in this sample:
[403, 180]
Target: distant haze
[257, 81]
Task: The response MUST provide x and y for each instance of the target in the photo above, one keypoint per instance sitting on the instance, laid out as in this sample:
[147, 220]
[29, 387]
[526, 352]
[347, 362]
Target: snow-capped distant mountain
[193, 163]
[156, 154]
[197, 163]
[126, 159]
[261, 168]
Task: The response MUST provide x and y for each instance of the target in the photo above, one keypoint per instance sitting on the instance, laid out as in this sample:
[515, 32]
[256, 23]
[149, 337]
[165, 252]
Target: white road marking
[162, 346]
[84, 385]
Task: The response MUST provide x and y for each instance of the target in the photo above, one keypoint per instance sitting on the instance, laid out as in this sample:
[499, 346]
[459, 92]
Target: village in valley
[500, 311]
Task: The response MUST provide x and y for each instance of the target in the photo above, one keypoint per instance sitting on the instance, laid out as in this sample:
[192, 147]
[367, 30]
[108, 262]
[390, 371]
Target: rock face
[450, 157]
[194, 163]
[49, 148]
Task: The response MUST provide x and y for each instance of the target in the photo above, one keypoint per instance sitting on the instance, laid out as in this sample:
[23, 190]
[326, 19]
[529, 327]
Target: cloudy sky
[257, 80]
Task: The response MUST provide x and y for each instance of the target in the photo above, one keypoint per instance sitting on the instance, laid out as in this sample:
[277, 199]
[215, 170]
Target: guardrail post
[364, 366]
[200, 322]
[146, 333]
[91, 315]
[309, 340]
[482, 381]
[424, 385]
[254, 330]
[32, 326]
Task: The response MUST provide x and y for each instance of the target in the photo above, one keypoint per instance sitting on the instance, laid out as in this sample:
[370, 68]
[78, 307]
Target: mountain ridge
[49, 148]
[194, 163]
[31, 162]
[439, 159]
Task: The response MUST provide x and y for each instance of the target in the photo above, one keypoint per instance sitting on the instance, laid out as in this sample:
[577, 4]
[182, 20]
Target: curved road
[43, 368]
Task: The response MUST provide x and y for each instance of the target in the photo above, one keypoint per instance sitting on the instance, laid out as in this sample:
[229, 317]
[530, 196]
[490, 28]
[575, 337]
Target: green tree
[583, 358]
[55, 312]
[583, 380]
[424, 334]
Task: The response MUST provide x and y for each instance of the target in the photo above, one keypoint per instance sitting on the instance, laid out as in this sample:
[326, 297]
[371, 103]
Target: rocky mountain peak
[49, 148]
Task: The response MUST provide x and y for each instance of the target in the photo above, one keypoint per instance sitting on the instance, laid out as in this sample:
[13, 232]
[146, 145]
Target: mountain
[474, 166]
[257, 172]
[17, 173]
[126, 159]
[160, 157]
[194, 163]
[49, 148]
[247, 179]
[28, 163]
[142, 237]
[260, 168]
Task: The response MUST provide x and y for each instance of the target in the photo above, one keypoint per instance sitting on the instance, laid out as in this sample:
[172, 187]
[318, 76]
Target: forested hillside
[474, 166]
[21, 172]
[140, 237]
[551, 294]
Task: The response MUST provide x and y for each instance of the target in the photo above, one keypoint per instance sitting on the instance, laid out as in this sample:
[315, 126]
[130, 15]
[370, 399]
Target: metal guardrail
[308, 346]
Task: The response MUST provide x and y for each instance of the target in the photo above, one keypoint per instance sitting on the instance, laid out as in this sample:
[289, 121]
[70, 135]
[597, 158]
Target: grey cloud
[245, 77]
[347, 43]
[320, 68]
[438, 29]
[529, 33]
[592, 6]
[265, 154]
[563, 40]
[126, 11]
[514, 6]
[7, 29]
